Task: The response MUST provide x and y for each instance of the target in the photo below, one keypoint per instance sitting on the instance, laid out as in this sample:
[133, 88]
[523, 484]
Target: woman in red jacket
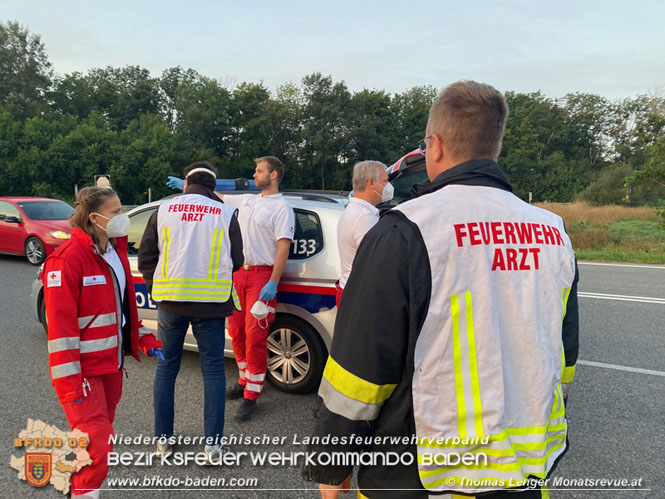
[92, 324]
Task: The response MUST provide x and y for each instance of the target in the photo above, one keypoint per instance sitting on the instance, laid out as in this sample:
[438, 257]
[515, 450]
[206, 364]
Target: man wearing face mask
[370, 188]
[188, 253]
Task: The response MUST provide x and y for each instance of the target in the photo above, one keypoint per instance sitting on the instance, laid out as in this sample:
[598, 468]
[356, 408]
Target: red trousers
[248, 338]
[94, 416]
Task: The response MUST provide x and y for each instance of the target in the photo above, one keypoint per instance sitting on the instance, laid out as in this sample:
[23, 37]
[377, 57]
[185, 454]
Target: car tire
[34, 251]
[296, 356]
[42, 313]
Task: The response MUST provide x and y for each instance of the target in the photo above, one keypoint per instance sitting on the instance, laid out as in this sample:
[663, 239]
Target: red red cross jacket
[84, 314]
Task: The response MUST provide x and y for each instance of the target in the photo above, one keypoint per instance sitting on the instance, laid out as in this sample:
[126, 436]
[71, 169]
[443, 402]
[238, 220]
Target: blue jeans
[209, 334]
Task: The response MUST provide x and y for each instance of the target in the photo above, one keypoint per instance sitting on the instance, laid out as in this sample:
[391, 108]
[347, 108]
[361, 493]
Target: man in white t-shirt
[370, 188]
[267, 226]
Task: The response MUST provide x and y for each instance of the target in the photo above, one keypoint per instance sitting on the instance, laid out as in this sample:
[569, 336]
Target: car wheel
[42, 313]
[296, 356]
[34, 251]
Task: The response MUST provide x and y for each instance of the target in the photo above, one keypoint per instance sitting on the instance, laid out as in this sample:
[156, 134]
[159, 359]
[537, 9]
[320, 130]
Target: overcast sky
[612, 48]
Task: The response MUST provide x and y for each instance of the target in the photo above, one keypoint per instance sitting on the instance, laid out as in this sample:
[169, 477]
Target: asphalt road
[616, 407]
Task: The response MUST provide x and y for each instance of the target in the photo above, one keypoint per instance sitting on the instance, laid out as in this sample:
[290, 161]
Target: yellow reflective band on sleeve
[355, 387]
[236, 300]
[473, 366]
[568, 374]
[166, 237]
[457, 363]
[565, 293]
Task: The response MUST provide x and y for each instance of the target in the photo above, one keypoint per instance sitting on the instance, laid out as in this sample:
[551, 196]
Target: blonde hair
[470, 119]
[89, 200]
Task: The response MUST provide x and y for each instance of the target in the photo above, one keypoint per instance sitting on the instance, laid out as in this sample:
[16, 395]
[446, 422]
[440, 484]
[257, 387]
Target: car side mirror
[13, 220]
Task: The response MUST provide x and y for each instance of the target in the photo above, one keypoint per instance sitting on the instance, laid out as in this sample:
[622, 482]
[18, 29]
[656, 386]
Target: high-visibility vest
[194, 251]
[489, 358]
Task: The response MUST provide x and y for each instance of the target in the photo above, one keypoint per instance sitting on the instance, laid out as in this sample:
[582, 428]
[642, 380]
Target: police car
[300, 337]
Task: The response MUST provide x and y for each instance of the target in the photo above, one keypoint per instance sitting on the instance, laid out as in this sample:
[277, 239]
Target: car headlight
[60, 234]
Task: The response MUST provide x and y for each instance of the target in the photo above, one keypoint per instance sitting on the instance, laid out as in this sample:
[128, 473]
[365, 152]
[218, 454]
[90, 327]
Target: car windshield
[46, 210]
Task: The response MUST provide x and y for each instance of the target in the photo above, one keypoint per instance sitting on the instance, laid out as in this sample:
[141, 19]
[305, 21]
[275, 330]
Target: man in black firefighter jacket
[457, 335]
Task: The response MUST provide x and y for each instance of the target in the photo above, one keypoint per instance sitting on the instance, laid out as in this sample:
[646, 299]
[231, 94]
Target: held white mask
[118, 225]
[260, 311]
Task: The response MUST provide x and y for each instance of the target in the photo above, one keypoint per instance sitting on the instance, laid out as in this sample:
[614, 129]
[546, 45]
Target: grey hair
[363, 171]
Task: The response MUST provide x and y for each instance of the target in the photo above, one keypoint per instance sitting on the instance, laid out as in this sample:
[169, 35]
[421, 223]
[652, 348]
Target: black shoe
[235, 393]
[246, 410]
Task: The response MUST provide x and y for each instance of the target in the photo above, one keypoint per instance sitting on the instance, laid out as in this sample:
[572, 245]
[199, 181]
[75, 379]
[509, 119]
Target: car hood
[47, 225]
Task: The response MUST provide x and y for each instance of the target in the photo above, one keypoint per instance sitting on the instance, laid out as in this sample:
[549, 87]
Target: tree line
[57, 131]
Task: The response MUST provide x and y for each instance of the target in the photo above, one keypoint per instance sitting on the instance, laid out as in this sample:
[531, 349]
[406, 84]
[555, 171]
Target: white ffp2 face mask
[387, 193]
[260, 311]
[118, 226]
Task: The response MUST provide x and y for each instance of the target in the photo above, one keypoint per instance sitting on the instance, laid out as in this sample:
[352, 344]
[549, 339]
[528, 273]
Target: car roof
[300, 199]
[22, 199]
[406, 161]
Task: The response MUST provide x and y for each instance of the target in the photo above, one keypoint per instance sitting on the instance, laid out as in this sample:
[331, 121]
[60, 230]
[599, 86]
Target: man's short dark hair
[470, 119]
[201, 178]
[274, 165]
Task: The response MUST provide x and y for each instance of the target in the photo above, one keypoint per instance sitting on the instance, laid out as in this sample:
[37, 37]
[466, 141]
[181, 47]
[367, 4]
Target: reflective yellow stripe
[505, 435]
[236, 300]
[473, 366]
[568, 374]
[212, 253]
[355, 387]
[175, 284]
[183, 279]
[166, 236]
[515, 466]
[218, 250]
[462, 353]
[488, 466]
[176, 297]
[457, 363]
[545, 493]
[539, 445]
[565, 293]
[215, 251]
[532, 430]
[191, 291]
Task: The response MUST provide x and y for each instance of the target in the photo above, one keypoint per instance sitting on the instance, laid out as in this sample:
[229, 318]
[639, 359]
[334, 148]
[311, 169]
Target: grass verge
[613, 233]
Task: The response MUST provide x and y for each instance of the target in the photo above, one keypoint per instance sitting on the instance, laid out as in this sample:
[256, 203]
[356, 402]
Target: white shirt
[113, 260]
[263, 220]
[358, 217]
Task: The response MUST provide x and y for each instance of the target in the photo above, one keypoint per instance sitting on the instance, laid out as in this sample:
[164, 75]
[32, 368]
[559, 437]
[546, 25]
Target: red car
[32, 226]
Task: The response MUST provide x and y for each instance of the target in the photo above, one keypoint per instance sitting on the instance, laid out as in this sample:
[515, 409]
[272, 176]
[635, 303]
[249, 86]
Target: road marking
[641, 299]
[621, 368]
[658, 267]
